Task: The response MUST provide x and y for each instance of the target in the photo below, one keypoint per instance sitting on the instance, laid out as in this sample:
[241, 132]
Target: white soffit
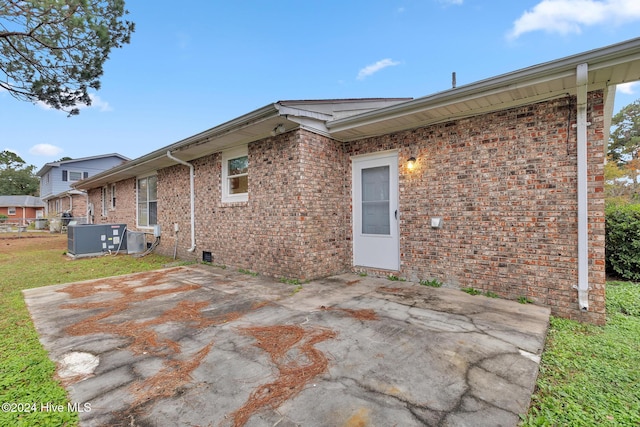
[608, 66]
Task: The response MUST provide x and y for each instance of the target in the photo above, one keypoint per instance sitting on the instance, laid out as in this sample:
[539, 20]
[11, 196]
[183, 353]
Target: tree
[53, 51]
[622, 171]
[624, 142]
[16, 178]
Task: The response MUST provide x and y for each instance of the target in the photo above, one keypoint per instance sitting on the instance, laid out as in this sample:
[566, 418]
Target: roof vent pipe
[453, 80]
[192, 199]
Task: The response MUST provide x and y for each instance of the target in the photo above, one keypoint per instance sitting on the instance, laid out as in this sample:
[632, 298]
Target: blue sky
[195, 64]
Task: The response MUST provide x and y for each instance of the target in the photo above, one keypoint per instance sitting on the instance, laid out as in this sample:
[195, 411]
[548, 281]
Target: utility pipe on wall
[89, 210]
[192, 199]
[582, 73]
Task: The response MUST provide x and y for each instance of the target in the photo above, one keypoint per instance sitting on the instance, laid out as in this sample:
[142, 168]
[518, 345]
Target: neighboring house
[21, 210]
[56, 179]
[495, 185]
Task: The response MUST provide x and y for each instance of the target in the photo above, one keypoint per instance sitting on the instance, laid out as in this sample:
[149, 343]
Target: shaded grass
[590, 375]
[26, 373]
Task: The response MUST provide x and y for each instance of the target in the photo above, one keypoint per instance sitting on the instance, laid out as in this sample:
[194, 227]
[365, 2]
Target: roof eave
[149, 162]
[559, 69]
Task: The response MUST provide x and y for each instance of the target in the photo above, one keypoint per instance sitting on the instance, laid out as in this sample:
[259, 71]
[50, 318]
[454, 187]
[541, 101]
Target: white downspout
[193, 199]
[582, 72]
[86, 196]
[70, 203]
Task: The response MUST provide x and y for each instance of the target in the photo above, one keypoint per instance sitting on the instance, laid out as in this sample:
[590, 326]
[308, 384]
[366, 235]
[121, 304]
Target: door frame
[391, 242]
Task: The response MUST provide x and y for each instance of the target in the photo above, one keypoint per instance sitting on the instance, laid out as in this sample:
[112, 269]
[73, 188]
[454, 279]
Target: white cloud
[627, 88]
[96, 102]
[374, 68]
[570, 16]
[45, 150]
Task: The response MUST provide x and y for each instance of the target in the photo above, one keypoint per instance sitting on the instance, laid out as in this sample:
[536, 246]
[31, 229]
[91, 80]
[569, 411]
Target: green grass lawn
[589, 375]
[26, 373]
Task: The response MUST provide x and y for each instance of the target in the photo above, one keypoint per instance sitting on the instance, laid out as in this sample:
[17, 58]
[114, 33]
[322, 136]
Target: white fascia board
[440, 99]
[310, 124]
[147, 160]
[562, 68]
[291, 113]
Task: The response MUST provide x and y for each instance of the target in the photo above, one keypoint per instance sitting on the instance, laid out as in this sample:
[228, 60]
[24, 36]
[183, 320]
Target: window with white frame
[104, 201]
[11, 211]
[73, 176]
[235, 175]
[147, 195]
[112, 197]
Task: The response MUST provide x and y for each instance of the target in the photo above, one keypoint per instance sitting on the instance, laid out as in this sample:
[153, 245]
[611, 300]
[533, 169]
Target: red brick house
[496, 185]
[21, 210]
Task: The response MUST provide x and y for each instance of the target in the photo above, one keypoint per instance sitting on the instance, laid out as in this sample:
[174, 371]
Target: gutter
[257, 116]
[598, 58]
[192, 199]
[582, 72]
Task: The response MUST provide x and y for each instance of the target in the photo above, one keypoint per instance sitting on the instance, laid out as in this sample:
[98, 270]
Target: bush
[3, 218]
[622, 241]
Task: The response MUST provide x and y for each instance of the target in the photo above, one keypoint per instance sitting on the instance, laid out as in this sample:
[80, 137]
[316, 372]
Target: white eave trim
[238, 123]
[554, 70]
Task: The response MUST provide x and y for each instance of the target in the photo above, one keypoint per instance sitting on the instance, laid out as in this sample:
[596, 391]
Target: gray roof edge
[255, 115]
[593, 58]
[50, 165]
[21, 201]
[277, 108]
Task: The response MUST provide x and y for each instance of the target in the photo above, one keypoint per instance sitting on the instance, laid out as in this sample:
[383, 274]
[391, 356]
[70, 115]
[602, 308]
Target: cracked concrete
[172, 351]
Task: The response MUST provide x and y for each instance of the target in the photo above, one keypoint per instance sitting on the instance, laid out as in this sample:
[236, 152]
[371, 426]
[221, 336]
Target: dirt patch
[27, 241]
[291, 349]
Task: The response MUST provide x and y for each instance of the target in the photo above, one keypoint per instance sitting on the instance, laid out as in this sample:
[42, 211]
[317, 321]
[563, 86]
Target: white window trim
[138, 178]
[104, 201]
[11, 211]
[74, 180]
[227, 155]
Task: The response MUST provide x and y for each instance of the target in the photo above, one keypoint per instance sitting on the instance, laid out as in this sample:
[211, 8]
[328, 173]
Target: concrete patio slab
[199, 346]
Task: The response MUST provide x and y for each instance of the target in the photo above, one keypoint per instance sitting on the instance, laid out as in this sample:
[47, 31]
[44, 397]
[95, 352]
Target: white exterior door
[375, 211]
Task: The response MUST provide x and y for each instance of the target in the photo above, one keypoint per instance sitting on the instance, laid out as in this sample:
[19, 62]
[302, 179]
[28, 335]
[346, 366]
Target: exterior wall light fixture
[411, 163]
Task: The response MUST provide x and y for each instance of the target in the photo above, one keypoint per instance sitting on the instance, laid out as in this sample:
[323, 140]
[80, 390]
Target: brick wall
[22, 213]
[125, 210]
[325, 210]
[77, 204]
[505, 185]
[292, 224]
